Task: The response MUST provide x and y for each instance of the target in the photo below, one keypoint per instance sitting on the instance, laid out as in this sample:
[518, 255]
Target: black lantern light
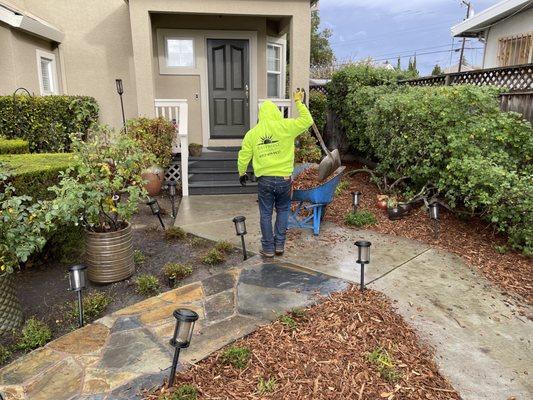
[363, 257]
[181, 339]
[120, 91]
[154, 206]
[240, 229]
[434, 215]
[78, 282]
[171, 185]
[356, 199]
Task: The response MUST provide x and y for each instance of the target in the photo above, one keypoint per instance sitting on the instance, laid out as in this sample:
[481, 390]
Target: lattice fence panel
[173, 173]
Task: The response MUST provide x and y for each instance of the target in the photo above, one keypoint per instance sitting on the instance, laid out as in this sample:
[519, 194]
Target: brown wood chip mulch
[327, 357]
[470, 238]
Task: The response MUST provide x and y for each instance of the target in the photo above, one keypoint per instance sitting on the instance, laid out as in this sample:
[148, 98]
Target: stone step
[221, 187]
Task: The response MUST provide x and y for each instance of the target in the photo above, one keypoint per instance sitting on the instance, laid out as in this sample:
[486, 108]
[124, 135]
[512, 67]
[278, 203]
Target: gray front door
[229, 87]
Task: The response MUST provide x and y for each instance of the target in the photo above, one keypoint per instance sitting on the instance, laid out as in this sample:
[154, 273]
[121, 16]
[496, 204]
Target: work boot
[279, 251]
[266, 254]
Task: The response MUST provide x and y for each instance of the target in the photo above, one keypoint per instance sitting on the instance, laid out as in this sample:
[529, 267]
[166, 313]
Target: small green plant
[501, 249]
[198, 241]
[288, 321]
[213, 257]
[341, 187]
[138, 257]
[182, 392]
[384, 363]
[94, 305]
[174, 233]
[224, 246]
[265, 386]
[360, 218]
[35, 333]
[237, 357]
[176, 271]
[4, 354]
[298, 312]
[147, 285]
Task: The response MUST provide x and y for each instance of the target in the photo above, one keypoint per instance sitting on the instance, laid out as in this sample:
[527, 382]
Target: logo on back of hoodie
[267, 139]
[267, 146]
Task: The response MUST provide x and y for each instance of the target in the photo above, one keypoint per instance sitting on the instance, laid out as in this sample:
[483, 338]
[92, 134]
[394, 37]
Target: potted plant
[381, 201]
[154, 136]
[195, 149]
[106, 191]
[393, 211]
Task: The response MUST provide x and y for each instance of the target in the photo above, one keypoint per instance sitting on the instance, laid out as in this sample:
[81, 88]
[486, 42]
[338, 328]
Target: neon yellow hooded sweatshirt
[270, 144]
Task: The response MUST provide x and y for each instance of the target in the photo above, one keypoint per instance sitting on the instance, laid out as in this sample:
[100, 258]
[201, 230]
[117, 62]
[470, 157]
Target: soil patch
[349, 346]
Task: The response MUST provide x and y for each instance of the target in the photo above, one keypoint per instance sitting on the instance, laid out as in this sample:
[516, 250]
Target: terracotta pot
[10, 311]
[154, 177]
[195, 151]
[110, 255]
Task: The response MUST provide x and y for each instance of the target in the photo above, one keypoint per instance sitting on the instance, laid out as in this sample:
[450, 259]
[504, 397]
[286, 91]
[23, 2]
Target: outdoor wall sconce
[240, 229]
[363, 257]
[78, 282]
[434, 215]
[154, 206]
[120, 91]
[181, 339]
[172, 192]
[356, 199]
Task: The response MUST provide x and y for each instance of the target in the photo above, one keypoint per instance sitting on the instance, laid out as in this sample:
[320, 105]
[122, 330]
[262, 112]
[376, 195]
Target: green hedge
[46, 122]
[34, 173]
[14, 146]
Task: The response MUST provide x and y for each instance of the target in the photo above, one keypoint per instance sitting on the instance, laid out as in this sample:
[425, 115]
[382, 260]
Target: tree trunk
[10, 311]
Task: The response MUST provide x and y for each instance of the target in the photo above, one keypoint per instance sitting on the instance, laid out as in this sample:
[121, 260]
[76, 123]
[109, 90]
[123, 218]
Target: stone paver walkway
[482, 344]
[123, 353]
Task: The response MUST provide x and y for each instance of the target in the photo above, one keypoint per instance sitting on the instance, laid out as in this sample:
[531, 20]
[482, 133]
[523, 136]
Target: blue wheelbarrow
[314, 200]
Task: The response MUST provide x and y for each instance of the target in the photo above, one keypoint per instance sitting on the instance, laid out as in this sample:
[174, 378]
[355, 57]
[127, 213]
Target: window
[274, 70]
[179, 52]
[46, 70]
[516, 50]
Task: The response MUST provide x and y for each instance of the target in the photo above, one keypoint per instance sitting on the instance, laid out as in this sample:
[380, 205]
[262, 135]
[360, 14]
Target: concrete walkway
[482, 345]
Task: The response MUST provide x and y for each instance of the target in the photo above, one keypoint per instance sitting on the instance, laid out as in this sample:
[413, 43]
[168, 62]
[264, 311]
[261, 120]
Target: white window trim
[54, 81]
[282, 43]
[166, 38]
[162, 36]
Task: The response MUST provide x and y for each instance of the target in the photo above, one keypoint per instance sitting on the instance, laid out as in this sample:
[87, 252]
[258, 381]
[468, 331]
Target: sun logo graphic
[267, 139]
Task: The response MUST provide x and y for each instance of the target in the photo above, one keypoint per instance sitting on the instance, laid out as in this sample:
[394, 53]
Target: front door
[229, 88]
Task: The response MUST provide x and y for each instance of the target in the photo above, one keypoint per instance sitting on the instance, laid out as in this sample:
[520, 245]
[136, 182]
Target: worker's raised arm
[297, 126]
[245, 154]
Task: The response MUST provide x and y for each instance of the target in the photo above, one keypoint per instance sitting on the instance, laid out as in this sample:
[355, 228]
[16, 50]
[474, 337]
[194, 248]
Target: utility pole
[468, 5]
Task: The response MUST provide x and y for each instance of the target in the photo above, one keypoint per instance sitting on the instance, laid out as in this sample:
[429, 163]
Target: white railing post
[284, 105]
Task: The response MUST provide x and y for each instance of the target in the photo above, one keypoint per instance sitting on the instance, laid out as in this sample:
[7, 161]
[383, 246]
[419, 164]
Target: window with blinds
[516, 50]
[46, 75]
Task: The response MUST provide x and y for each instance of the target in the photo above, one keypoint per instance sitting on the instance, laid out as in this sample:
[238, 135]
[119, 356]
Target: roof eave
[23, 21]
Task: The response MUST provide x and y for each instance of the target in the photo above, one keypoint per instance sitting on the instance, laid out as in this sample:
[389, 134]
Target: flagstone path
[121, 354]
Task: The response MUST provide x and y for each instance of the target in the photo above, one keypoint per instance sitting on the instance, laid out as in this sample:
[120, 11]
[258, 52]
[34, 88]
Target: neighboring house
[507, 30]
[465, 66]
[220, 57]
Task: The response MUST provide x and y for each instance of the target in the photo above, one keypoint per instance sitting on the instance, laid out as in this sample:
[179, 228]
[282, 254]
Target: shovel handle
[315, 128]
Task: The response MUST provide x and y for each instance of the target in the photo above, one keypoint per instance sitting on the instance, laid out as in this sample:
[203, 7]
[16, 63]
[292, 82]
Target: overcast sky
[384, 29]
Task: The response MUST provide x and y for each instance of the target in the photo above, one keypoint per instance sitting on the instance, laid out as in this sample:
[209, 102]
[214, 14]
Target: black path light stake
[240, 229]
[120, 91]
[78, 282]
[181, 339]
[154, 206]
[363, 257]
[172, 192]
[434, 215]
[356, 200]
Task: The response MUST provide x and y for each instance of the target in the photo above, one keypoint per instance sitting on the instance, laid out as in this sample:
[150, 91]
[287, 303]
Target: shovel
[332, 160]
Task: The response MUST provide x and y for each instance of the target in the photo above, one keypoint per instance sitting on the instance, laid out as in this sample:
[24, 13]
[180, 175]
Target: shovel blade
[329, 165]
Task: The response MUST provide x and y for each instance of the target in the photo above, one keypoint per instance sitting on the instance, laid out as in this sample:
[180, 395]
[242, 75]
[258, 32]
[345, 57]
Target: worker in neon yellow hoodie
[270, 146]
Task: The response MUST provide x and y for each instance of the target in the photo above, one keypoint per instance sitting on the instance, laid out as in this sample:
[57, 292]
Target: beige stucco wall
[520, 23]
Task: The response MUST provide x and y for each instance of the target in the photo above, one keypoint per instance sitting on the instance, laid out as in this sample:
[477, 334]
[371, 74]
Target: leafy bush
[35, 333]
[182, 392]
[13, 146]
[307, 149]
[224, 246]
[154, 136]
[176, 271]
[175, 232]
[360, 218]
[46, 122]
[213, 257]
[237, 357]
[317, 106]
[5, 353]
[94, 305]
[147, 285]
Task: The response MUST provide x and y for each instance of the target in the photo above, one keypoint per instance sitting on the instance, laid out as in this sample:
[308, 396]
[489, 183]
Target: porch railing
[177, 111]
[284, 105]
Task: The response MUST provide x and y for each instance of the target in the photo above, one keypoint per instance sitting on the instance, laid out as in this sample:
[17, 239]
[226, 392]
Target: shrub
[155, 136]
[176, 271]
[317, 106]
[14, 146]
[237, 357]
[360, 218]
[175, 232]
[147, 285]
[5, 353]
[182, 392]
[94, 305]
[307, 150]
[35, 333]
[224, 246]
[46, 122]
[213, 257]
[265, 386]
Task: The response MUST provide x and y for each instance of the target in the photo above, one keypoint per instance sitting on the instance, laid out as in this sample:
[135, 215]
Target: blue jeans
[274, 191]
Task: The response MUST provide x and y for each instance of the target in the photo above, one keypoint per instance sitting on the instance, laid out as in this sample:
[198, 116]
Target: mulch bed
[470, 238]
[327, 357]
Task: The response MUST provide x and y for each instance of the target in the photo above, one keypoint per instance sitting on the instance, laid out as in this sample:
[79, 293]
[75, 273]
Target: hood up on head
[269, 111]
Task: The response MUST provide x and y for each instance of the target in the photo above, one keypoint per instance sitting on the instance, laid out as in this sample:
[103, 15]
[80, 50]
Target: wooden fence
[520, 102]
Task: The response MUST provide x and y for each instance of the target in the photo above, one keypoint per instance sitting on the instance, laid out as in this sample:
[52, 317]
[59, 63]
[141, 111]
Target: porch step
[214, 174]
[221, 187]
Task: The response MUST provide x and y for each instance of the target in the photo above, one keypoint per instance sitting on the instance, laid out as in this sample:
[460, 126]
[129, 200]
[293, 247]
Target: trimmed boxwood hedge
[46, 122]
[14, 146]
[34, 173]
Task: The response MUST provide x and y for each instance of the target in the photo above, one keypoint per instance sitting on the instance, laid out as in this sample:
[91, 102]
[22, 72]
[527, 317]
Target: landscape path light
[78, 282]
[356, 200]
[185, 320]
[120, 91]
[363, 257]
[154, 206]
[240, 229]
[172, 192]
[434, 215]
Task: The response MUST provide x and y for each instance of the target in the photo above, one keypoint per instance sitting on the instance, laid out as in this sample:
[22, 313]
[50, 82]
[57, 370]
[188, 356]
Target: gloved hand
[243, 179]
[298, 95]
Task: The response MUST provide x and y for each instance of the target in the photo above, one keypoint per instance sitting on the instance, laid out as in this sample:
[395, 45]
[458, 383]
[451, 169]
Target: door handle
[246, 92]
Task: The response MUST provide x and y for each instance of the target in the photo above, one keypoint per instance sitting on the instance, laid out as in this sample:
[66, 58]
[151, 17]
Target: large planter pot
[10, 310]
[110, 255]
[195, 151]
[154, 177]
[394, 213]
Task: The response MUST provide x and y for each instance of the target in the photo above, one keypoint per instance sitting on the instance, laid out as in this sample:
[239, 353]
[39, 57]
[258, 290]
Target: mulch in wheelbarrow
[349, 346]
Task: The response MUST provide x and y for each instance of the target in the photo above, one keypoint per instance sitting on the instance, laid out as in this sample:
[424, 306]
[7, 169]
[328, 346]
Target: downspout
[486, 39]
